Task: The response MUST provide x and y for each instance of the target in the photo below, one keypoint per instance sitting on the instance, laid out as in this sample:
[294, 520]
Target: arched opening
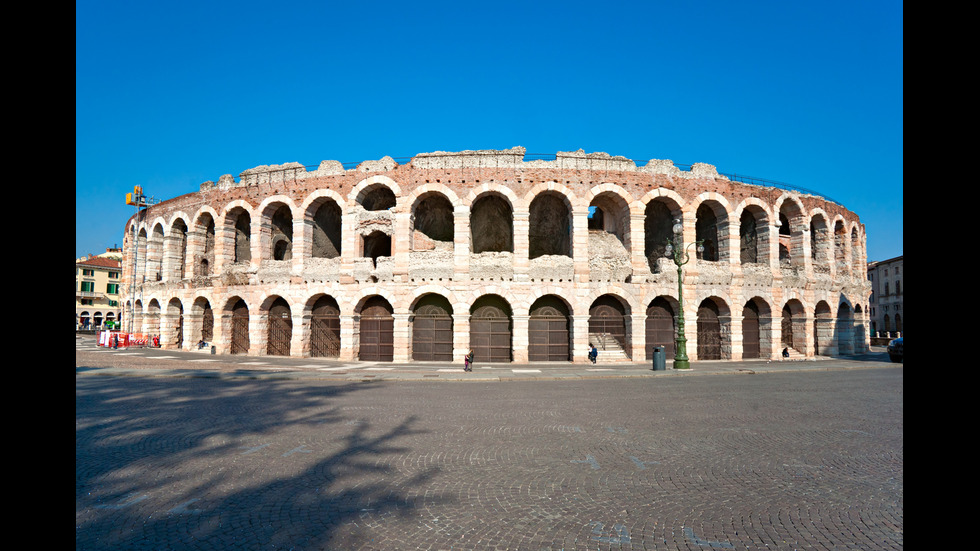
[281, 236]
[845, 329]
[658, 231]
[377, 327]
[820, 243]
[709, 330]
[280, 329]
[432, 329]
[203, 256]
[608, 327]
[491, 225]
[326, 230]
[711, 227]
[325, 328]
[178, 249]
[660, 327]
[242, 228]
[239, 327]
[491, 329]
[548, 330]
[434, 226]
[823, 328]
[378, 197]
[175, 313]
[753, 234]
[751, 331]
[550, 231]
[376, 245]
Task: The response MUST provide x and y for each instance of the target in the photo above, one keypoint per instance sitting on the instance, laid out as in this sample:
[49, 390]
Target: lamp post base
[682, 364]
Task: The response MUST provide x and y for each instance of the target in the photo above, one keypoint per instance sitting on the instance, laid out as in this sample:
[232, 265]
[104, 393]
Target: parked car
[895, 350]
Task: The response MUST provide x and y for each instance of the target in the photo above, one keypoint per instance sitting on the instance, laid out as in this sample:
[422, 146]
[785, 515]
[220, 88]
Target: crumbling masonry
[519, 261]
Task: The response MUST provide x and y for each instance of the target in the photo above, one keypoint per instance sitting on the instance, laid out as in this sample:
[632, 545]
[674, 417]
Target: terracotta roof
[100, 262]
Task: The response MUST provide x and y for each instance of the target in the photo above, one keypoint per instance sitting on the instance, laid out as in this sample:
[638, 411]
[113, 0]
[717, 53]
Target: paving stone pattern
[779, 461]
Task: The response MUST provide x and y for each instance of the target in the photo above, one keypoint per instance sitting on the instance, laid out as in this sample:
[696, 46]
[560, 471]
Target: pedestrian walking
[593, 353]
[468, 362]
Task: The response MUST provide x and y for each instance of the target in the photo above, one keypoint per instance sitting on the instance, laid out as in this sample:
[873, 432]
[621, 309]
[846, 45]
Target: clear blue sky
[171, 94]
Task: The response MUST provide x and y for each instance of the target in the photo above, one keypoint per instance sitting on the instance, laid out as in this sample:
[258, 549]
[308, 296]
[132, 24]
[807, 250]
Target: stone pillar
[402, 338]
[522, 227]
[348, 337]
[461, 246]
[580, 245]
[461, 334]
[299, 345]
[519, 340]
[580, 336]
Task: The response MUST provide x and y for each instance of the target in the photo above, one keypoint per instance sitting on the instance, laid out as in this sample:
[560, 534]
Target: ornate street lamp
[680, 256]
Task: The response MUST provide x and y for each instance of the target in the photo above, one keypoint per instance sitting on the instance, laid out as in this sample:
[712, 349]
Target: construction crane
[137, 199]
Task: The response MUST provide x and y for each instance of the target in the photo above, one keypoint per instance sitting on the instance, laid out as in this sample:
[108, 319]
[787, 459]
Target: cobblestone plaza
[808, 460]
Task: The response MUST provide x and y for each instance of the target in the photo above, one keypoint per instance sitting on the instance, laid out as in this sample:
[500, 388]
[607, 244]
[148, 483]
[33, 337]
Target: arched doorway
[239, 328]
[490, 330]
[751, 333]
[432, 329]
[607, 324]
[377, 328]
[548, 331]
[325, 328]
[280, 331]
[660, 327]
[709, 331]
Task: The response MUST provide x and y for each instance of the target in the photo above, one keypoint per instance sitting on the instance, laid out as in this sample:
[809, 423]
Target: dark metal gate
[751, 335]
[607, 318]
[432, 331]
[280, 328]
[239, 328]
[377, 329]
[660, 328]
[709, 332]
[548, 332]
[325, 329]
[490, 334]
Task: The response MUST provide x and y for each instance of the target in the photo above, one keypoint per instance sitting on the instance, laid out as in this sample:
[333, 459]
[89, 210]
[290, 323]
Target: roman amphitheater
[516, 258]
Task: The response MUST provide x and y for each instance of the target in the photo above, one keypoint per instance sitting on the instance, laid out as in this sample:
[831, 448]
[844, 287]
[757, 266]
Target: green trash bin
[659, 358]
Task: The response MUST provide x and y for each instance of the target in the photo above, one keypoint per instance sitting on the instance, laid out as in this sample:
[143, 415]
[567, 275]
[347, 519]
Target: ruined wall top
[513, 158]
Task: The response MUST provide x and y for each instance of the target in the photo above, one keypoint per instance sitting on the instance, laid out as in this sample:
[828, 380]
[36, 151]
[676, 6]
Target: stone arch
[172, 325]
[753, 232]
[549, 329]
[792, 228]
[659, 215]
[432, 328]
[324, 326]
[376, 330]
[756, 329]
[711, 226]
[236, 232]
[845, 329]
[793, 326]
[821, 242]
[713, 329]
[323, 221]
[610, 327]
[237, 312]
[175, 249]
[491, 329]
[276, 228]
[202, 321]
[383, 200]
[202, 243]
[432, 223]
[661, 325]
[492, 223]
[550, 225]
[823, 329]
[279, 326]
[154, 253]
[841, 257]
